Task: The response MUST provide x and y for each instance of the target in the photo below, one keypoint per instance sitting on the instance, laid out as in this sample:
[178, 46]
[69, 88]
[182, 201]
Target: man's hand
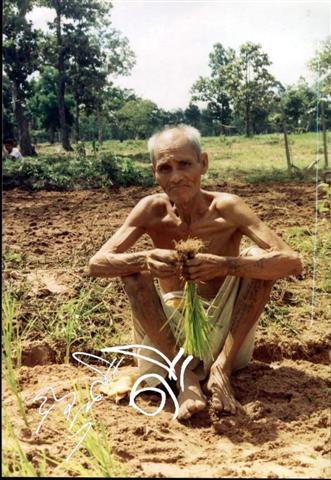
[161, 262]
[203, 267]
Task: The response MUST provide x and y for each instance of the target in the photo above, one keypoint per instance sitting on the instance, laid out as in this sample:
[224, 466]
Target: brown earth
[283, 430]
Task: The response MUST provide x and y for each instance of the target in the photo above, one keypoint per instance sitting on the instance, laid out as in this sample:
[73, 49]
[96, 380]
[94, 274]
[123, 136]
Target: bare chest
[220, 236]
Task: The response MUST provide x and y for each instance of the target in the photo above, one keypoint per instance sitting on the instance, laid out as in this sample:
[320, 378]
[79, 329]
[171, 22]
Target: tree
[192, 115]
[321, 65]
[240, 88]
[85, 74]
[118, 59]
[68, 13]
[87, 50]
[138, 119]
[21, 59]
[299, 106]
[250, 85]
[8, 121]
[214, 90]
[43, 103]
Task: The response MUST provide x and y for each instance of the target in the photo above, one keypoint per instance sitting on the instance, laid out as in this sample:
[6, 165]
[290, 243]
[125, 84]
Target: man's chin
[180, 197]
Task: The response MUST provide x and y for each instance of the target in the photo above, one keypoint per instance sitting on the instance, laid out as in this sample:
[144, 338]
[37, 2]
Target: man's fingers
[164, 267]
[193, 261]
[159, 274]
[191, 270]
[166, 256]
[160, 269]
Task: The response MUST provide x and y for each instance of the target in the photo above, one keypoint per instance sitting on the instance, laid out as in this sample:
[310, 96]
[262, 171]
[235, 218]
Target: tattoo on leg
[252, 298]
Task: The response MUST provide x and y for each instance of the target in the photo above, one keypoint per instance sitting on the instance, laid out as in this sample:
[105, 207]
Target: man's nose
[176, 176]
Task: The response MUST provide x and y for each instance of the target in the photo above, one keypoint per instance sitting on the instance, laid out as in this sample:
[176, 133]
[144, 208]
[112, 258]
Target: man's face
[8, 147]
[177, 167]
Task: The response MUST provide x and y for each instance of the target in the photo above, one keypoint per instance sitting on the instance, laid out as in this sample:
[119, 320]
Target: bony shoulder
[228, 201]
[152, 204]
[153, 200]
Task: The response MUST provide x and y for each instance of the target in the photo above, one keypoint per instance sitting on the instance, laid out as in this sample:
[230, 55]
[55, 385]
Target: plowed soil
[283, 430]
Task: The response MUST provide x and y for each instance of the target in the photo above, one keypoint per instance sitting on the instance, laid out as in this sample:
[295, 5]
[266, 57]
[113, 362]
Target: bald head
[175, 137]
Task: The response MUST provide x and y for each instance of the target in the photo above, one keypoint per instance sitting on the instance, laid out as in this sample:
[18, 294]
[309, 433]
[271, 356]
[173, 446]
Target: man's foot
[222, 395]
[191, 400]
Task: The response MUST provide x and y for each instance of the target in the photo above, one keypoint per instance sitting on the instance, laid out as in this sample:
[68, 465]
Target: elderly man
[235, 284]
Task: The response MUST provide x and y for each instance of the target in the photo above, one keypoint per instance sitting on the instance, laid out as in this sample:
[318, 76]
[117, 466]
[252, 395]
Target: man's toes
[189, 408]
[217, 403]
[230, 407]
[239, 407]
[185, 410]
[198, 406]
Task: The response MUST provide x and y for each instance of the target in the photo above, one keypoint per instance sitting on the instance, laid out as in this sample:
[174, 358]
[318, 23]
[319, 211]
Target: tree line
[59, 85]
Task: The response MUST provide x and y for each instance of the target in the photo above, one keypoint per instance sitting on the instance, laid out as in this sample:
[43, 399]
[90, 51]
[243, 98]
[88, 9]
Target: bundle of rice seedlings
[194, 327]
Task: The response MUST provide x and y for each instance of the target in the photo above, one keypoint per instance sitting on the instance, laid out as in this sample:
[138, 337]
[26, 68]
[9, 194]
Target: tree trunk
[52, 136]
[246, 101]
[323, 127]
[287, 149]
[77, 133]
[100, 129]
[61, 87]
[27, 149]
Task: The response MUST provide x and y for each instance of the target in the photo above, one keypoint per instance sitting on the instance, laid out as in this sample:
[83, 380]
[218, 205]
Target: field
[52, 308]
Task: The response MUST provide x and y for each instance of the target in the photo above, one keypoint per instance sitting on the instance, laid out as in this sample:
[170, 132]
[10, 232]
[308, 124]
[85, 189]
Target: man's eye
[184, 164]
[163, 168]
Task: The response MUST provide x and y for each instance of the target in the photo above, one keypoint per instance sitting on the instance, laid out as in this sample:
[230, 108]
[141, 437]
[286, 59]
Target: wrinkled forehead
[173, 142]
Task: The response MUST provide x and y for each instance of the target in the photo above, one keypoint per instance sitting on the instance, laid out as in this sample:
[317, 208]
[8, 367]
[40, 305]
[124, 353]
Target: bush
[71, 172]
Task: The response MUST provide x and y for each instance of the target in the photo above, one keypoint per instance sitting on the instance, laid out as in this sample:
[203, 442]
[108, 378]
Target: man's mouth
[178, 187]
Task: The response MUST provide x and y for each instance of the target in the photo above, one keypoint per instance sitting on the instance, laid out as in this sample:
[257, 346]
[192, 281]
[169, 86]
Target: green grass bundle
[195, 327]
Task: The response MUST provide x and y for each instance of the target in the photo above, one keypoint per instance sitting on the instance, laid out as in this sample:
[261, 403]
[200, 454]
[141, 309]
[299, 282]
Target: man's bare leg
[252, 298]
[147, 309]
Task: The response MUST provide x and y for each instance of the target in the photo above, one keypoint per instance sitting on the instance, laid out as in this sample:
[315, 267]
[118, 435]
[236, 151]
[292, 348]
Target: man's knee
[138, 283]
[257, 287]
[258, 284]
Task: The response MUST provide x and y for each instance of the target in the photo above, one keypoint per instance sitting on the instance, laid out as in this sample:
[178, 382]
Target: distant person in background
[10, 151]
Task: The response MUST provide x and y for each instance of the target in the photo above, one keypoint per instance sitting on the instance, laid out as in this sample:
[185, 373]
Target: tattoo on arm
[232, 265]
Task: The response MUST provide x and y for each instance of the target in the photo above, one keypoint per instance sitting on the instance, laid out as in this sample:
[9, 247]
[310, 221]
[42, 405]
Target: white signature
[105, 378]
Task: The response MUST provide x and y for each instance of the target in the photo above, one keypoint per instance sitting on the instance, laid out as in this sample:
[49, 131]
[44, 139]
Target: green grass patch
[256, 159]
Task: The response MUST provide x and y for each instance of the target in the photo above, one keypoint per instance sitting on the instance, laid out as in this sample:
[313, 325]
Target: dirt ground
[283, 431]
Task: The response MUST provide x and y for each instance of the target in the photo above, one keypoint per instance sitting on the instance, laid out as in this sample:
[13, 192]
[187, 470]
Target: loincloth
[219, 311]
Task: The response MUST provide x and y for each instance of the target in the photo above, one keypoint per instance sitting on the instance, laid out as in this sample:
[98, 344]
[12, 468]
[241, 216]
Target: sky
[172, 39]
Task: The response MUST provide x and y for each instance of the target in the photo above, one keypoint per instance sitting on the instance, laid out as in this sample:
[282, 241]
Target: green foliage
[214, 90]
[196, 327]
[8, 332]
[20, 46]
[240, 90]
[138, 119]
[321, 65]
[43, 103]
[277, 316]
[8, 121]
[76, 171]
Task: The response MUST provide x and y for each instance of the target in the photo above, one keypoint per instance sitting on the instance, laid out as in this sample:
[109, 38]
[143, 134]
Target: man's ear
[153, 169]
[204, 161]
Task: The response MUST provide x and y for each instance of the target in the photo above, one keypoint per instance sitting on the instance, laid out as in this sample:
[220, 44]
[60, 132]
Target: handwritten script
[69, 401]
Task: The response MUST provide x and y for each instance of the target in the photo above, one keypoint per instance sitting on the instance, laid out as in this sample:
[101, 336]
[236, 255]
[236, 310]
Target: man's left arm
[274, 259]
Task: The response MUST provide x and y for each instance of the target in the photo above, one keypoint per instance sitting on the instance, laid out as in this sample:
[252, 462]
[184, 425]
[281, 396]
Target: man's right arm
[110, 260]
